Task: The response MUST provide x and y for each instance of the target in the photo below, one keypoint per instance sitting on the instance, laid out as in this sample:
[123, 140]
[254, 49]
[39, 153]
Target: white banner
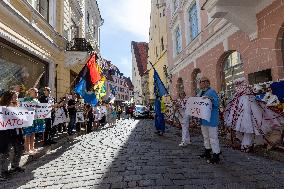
[42, 110]
[80, 117]
[59, 117]
[15, 117]
[199, 107]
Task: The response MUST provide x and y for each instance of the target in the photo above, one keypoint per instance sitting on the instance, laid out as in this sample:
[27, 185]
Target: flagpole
[167, 92]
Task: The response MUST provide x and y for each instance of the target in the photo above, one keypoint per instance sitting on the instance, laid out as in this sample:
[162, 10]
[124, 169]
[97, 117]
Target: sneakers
[184, 144]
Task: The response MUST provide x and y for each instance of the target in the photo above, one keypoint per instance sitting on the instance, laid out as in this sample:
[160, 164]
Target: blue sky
[124, 21]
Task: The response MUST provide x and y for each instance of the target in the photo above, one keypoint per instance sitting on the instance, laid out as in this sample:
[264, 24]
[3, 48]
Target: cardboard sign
[42, 110]
[199, 107]
[59, 117]
[15, 117]
[80, 117]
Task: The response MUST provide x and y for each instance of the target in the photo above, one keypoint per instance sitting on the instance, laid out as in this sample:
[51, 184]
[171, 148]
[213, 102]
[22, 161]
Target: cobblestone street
[130, 155]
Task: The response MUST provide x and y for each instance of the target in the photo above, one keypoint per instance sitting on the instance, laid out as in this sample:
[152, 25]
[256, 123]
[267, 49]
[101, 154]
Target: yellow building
[43, 42]
[157, 44]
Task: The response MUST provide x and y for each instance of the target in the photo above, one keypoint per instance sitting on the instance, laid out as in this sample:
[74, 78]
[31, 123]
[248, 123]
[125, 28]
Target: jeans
[72, 123]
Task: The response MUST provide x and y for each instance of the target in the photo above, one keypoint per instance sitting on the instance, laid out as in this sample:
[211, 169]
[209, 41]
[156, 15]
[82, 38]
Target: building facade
[34, 38]
[158, 45]
[139, 71]
[120, 84]
[224, 40]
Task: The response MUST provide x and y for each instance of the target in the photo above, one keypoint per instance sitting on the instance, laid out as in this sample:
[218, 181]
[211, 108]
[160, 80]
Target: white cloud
[125, 65]
[129, 15]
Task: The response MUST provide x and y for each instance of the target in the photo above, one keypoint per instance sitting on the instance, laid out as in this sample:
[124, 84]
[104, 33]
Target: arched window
[178, 41]
[193, 22]
[232, 70]
[196, 76]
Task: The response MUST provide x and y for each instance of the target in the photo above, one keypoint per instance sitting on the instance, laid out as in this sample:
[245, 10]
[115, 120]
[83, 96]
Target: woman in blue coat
[210, 128]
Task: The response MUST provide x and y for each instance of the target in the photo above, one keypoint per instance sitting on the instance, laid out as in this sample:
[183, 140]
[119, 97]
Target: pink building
[224, 40]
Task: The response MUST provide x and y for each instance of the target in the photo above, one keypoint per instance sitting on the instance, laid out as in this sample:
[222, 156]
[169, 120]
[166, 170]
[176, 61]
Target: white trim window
[193, 22]
[42, 6]
[175, 5]
[178, 40]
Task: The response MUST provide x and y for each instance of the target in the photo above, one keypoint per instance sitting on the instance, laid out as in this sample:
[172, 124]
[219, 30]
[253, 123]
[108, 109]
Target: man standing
[72, 113]
[49, 131]
[210, 128]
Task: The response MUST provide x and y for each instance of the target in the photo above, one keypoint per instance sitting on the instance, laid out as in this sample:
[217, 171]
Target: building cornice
[8, 9]
[204, 47]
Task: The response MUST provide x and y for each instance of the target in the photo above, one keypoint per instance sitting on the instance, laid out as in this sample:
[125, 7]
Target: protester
[72, 113]
[49, 130]
[90, 118]
[10, 139]
[97, 117]
[37, 127]
[183, 119]
[249, 117]
[103, 112]
[119, 112]
[110, 119]
[270, 99]
[210, 128]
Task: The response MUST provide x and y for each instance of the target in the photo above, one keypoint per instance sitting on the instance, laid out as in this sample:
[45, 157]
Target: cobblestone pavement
[130, 155]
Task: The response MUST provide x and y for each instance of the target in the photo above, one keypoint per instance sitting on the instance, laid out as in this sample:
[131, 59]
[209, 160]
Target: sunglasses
[203, 81]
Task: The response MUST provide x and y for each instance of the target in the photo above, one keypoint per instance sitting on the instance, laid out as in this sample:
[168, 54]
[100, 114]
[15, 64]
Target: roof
[141, 54]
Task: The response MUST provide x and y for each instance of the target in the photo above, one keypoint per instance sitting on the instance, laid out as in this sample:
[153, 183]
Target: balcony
[79, 44]
[241, 13]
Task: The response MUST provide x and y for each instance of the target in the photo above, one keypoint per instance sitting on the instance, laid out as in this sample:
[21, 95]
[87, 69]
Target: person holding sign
[10, 138]
[210, 128]
[49, 131]
[38, 124]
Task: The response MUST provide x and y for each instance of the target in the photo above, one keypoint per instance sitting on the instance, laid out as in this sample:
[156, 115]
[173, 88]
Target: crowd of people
[248, 119]
[69, 115]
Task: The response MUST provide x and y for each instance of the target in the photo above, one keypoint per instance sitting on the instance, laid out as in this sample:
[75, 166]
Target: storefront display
[20, 68]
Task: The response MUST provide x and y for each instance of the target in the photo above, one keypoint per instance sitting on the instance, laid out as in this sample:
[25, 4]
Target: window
[42, 6]
[178, 40]
[88, 18]
[232, 70]
[193, 22]
[156, 51]
[162, 44]
[164, 12]
[176, 5]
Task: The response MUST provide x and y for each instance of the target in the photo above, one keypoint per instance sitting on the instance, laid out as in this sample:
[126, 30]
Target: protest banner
[199, 107]
[42, 110]
[59, 117]
[80, 117]
[15, 117]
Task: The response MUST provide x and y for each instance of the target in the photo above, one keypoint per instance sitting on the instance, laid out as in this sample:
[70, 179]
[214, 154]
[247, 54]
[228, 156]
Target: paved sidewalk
[130, 155]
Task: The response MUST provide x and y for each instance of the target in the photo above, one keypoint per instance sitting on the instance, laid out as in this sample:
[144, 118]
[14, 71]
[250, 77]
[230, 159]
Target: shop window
[260, 77]
[232, 70]
[21, 68]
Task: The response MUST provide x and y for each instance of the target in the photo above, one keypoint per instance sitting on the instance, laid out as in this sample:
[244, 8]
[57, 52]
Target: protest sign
[80, 117]
[42, 110]
[15, 117]
[59, 116]
[199, 107]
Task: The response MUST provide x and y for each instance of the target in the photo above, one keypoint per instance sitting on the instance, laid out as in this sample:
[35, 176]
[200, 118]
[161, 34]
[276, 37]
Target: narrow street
[130, 155]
